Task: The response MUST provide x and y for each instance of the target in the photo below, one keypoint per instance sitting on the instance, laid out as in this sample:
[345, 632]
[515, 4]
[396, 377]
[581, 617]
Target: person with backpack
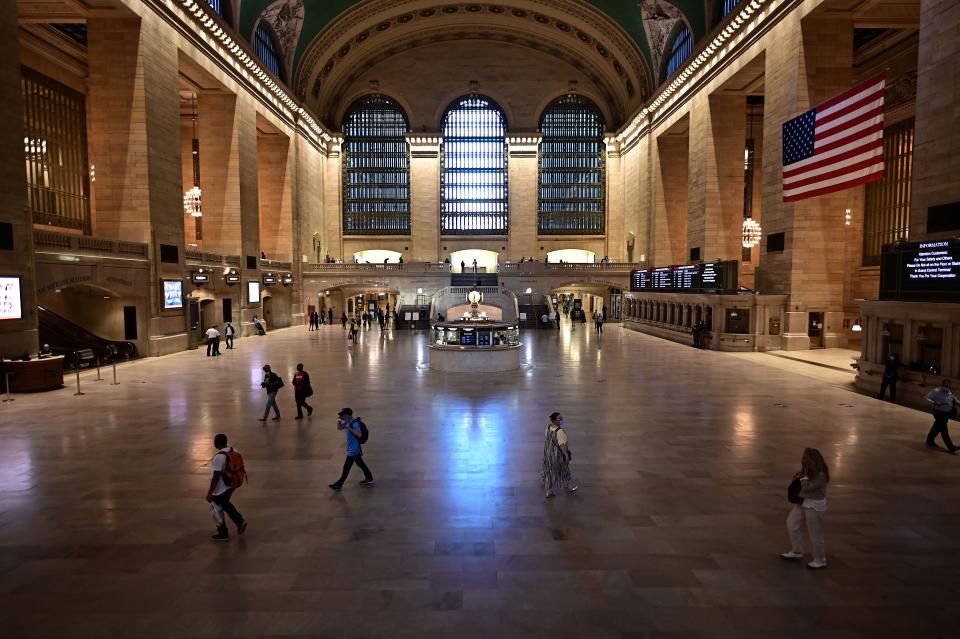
[272, 383]
[301, 391]
[555, 469]
[809, 505]
[357, 434]
[228, 475]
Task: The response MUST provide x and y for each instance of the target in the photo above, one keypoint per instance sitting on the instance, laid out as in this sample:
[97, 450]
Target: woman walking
[556, 458]
[813, 477]
[301, 391]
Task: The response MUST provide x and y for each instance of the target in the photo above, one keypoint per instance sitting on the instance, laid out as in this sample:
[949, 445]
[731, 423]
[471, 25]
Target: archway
[487, 261]
[376, 256]
[92, 316]
[571, 256]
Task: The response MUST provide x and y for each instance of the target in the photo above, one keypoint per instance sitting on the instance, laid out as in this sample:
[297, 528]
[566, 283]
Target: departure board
[719, 277]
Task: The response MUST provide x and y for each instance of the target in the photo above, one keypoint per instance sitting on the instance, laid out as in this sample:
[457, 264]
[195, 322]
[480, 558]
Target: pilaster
[523, 184]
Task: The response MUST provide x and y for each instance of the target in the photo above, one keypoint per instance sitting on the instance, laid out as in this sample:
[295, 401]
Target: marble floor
[682, 456]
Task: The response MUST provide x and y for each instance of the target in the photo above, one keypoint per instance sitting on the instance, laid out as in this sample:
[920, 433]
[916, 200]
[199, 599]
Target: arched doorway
[377, 256]
[487, 261]
[571, 256]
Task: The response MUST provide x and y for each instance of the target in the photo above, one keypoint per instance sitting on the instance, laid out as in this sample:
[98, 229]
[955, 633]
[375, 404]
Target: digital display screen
[253, 292]
[468, 338]
[710, 277]
[172, 294]
[10, 306]
[269, 279]
[233, 279]
[201, 278]
[927, 271]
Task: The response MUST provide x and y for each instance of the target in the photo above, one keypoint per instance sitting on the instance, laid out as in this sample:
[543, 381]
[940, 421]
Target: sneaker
[219, 537]
[262, 419]
[549, 494]
[276, 418]
[932, 445]
[572, 489]
[336, 486]
[791, 555]
[309, 412]
[242, 527]
[816, 564]
[366, 482]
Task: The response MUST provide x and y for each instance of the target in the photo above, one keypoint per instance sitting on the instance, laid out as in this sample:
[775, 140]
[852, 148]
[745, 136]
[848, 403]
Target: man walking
[347, 422]
[229, 331]
[213, 341]
[272, 384]
[330, 316]
[222, 485]
[944, 406]
[599, 322]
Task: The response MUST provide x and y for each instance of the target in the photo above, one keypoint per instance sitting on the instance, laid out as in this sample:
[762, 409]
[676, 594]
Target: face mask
[560, 422]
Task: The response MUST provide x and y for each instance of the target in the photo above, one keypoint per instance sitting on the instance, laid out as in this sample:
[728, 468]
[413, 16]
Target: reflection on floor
[683, 457]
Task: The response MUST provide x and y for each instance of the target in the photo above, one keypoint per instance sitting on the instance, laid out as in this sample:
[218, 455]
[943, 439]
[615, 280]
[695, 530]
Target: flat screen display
[10, 307]
[928, 271]
[172, 294]
[253, 292]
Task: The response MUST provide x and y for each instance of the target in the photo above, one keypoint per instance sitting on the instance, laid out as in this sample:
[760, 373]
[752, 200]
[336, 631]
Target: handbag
[793, 491]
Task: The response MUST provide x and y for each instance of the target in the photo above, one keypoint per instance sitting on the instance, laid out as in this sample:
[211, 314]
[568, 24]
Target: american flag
[835, 146]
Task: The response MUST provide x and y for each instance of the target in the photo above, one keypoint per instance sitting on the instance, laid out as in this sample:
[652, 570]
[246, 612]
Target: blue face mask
[560, 422]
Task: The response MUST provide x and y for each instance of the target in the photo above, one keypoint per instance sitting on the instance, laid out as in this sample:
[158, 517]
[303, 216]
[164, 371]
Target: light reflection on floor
[682, 457]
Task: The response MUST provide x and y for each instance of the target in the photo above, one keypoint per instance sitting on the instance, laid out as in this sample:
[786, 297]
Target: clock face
[473, 297]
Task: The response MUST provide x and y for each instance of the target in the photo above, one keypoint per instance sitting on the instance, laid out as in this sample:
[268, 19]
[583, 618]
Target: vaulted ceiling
[612, 50]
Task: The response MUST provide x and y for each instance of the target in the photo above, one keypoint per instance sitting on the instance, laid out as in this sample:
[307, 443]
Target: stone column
[275, 197]
[425, 198]
[615, 228]
[523, 181]
[812, 62]
[16, 258]
[669, 239]
[936, 163]
[133, 123]
[715, 182]
[220, 173]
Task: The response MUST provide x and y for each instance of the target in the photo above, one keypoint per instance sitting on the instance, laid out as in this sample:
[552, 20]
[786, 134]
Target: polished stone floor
[682, 457]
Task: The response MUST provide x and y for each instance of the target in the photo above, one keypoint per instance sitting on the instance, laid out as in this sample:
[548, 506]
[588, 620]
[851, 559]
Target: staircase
[474, 279]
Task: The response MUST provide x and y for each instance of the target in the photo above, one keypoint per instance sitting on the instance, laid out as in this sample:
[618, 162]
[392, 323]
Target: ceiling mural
[659, 19]
[286, 18]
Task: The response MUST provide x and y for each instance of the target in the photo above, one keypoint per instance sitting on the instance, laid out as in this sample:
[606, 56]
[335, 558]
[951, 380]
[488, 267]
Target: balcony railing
[274, 265]
[323, 266]
[53, 242]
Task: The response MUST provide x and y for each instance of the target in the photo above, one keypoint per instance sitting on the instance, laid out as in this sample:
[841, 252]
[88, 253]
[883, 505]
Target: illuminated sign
[10, 306]
[710, 277]
[172, 294]
[928, 271]
[253, 292]
[200, 278]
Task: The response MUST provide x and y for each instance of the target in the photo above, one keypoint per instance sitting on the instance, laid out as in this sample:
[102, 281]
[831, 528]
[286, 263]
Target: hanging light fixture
[751, 233]
[191, 199]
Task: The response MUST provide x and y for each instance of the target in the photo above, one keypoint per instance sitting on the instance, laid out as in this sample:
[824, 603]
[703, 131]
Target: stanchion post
[114, 362]
[76, 367]
[6, 380]
[99, 379]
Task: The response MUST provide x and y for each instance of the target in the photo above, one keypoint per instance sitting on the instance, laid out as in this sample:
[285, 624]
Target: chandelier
[191, 202]
[751, 233]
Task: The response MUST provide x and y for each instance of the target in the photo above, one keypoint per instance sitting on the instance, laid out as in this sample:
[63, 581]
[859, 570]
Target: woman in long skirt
[555, 471]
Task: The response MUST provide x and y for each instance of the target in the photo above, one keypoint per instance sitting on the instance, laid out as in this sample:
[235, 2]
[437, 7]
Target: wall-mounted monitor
[172, 294]
[10, 306]
[253, 292]
[921, 271]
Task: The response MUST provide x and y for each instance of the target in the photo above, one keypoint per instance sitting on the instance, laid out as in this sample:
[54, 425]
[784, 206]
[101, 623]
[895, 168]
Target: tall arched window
[680, 50]
[572, 153]
[473, 177]
[376, 174]
[267, 50]
[727, 7]
[222, 7]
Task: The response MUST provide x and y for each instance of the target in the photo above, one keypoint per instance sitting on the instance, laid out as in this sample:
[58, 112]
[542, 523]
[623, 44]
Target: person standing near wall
[891, 376]
[944, 404]
[229, 331]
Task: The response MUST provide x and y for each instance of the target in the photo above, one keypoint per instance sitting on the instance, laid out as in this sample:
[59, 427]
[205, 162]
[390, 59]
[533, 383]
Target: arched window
[473, 177]
[680, 50]
[267, 50]
[222, 7]
[376, 173]
[727, 7]
[572, 154]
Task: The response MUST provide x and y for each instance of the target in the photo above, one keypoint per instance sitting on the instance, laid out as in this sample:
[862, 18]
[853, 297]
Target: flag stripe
[866, 177]
[824, 119]
[836, 170]
[869, 85]
[844, 159]
[831, 153]
[827, 186]
[837, 145]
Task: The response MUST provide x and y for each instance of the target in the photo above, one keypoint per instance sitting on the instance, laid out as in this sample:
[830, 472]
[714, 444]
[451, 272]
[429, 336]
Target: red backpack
[234, 473]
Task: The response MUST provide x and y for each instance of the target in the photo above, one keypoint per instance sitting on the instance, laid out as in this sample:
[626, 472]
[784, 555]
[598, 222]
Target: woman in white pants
[814, 477]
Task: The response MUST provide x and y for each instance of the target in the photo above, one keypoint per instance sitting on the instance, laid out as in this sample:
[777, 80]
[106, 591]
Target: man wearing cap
[347, 422]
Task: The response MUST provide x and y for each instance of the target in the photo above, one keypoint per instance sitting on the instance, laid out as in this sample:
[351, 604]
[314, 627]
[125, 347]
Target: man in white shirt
[213, 341]
[219, 493]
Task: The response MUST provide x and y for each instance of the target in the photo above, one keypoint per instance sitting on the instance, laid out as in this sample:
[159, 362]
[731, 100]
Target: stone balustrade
[53, 242]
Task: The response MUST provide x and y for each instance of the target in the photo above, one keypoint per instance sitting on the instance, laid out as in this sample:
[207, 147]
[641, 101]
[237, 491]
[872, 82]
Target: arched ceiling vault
[604, 45]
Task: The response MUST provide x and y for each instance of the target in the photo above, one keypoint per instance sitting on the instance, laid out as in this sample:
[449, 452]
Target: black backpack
[364, 433]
